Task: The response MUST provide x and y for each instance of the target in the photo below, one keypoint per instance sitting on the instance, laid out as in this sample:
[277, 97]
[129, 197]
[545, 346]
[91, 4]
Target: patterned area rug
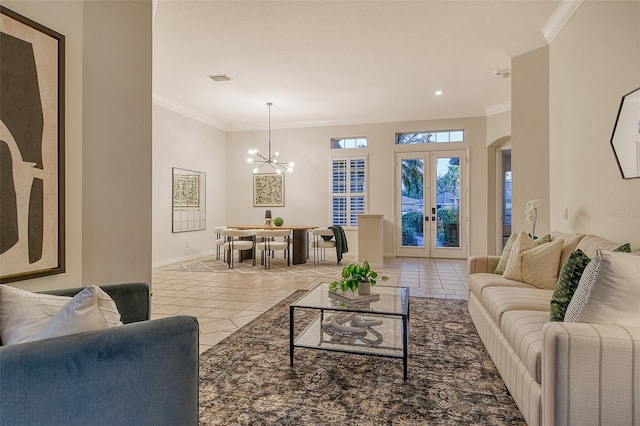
[246, 378]
[327, 268]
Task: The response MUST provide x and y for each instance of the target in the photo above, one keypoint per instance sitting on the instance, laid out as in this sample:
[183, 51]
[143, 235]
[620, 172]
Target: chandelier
[271, 160]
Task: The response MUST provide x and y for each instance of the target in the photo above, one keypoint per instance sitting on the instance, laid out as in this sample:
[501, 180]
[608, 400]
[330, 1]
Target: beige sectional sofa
[558, 373]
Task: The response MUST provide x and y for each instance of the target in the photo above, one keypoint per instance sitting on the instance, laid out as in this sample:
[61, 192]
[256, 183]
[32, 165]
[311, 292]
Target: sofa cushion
[567, 284]
[91, 309]
[498, 300]
[534, 264]
[506, 252]
[27, 316]
[569, 245]
[23, 313]
[523, 330]
[479, 281]
[590, 243]
[609, 291]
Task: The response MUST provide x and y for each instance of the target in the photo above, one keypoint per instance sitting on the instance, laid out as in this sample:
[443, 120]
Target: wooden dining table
[300, 239]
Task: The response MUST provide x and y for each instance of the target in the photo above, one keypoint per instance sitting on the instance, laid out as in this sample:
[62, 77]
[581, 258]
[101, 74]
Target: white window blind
[349, 186]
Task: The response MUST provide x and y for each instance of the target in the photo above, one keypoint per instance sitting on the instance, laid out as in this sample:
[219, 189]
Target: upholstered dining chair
[239, 240]
[219, 241]
[273, 240]
[322, 240]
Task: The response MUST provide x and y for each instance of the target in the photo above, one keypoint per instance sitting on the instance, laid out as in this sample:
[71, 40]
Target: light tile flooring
[224, 302]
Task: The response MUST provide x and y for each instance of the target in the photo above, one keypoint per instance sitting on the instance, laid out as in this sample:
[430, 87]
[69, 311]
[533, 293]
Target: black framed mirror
[625, 139]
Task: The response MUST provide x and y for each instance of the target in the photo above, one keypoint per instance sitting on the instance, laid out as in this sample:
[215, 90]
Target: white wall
[307, 189]
[182, 142]
[108, 139]
[530, 138]
[594, 61]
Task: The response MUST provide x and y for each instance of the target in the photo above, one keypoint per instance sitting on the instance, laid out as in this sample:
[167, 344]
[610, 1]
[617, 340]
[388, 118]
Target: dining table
[300, 239]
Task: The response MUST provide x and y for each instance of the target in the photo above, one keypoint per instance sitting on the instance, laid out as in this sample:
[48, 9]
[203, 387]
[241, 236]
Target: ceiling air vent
[220, 77]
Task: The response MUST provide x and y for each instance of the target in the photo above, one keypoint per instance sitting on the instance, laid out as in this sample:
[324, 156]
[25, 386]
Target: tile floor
[224, 302]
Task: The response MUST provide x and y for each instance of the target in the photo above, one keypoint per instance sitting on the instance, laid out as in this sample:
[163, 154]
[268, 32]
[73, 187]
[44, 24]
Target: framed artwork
[268, 190]
[189, 200]
[32, 225]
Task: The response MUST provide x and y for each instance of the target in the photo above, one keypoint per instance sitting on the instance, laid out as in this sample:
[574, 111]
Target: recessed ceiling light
[438, 92]
[220, 77]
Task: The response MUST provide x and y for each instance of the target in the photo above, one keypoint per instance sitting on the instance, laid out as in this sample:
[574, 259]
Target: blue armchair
[143, 373]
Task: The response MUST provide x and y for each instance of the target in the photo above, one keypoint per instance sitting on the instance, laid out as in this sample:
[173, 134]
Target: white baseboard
[182, 259]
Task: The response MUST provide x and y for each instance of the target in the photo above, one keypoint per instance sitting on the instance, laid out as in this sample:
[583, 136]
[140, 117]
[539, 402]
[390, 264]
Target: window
[348, 143]
[348, 190]
[444, 136]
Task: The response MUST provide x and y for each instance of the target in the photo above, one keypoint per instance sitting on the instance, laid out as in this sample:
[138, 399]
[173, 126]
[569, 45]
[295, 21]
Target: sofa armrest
[145, 373]
[132, 299]
[477, 264]
[590, 374]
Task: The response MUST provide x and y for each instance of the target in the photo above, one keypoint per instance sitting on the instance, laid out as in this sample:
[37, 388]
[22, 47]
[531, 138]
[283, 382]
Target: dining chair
[269, 242]
[322, 240]
[219, 241]
[239, 240]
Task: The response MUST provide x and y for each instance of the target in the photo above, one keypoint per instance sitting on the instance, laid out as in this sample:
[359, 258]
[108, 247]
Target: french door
[431, 204]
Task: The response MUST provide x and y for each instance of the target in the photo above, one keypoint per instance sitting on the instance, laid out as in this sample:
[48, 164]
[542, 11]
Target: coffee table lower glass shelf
[378, 328]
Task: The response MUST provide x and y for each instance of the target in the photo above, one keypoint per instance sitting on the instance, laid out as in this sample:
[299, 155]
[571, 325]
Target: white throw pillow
[23, 314]
[534, 264]
[91, 309]
[608, 291]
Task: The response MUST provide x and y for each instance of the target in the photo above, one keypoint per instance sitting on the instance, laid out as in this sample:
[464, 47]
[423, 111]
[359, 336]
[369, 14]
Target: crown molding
[188, 112]
[499, 108]
[559, 18]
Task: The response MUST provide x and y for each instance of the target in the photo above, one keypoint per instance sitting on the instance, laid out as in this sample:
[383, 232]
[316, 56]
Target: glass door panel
[448, 204]
[412, 173]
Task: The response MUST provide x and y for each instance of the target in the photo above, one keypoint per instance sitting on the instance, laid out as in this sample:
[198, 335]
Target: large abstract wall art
[31, 149]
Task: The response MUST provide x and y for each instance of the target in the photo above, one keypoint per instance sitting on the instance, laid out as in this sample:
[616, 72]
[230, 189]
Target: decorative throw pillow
[625, 248]
[91, 309]
[608, 291]
[502, 263]
[567, 284]
[534, 264]
[24, 314]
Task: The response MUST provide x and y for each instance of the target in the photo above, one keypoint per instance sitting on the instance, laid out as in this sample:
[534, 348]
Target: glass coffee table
[378, 327]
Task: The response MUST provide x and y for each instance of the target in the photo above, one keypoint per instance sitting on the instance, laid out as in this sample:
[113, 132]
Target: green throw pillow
[502, 263]
[625, 248]
[567, 284]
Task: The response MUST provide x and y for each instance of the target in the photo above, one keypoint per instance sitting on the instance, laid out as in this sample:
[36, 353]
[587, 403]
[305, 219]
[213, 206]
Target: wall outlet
[187, 244]
[566, 213]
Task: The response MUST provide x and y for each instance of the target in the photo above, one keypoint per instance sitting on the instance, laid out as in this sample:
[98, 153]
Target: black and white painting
[31, 149]
[268, 190]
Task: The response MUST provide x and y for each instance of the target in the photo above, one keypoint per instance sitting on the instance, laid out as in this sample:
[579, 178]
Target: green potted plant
[356, 277]
[278, 221]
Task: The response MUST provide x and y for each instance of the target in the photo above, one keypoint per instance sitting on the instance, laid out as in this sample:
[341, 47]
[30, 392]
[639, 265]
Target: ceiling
[340, 62]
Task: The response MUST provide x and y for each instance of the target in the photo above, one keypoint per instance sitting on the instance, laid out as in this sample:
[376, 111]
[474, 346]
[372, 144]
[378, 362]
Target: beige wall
[530, 137]
[594, 61]
[182, 142]
[108, 139]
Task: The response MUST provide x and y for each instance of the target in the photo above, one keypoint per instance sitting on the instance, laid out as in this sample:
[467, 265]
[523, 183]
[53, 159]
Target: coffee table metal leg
[291, 337]
[405, 344]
